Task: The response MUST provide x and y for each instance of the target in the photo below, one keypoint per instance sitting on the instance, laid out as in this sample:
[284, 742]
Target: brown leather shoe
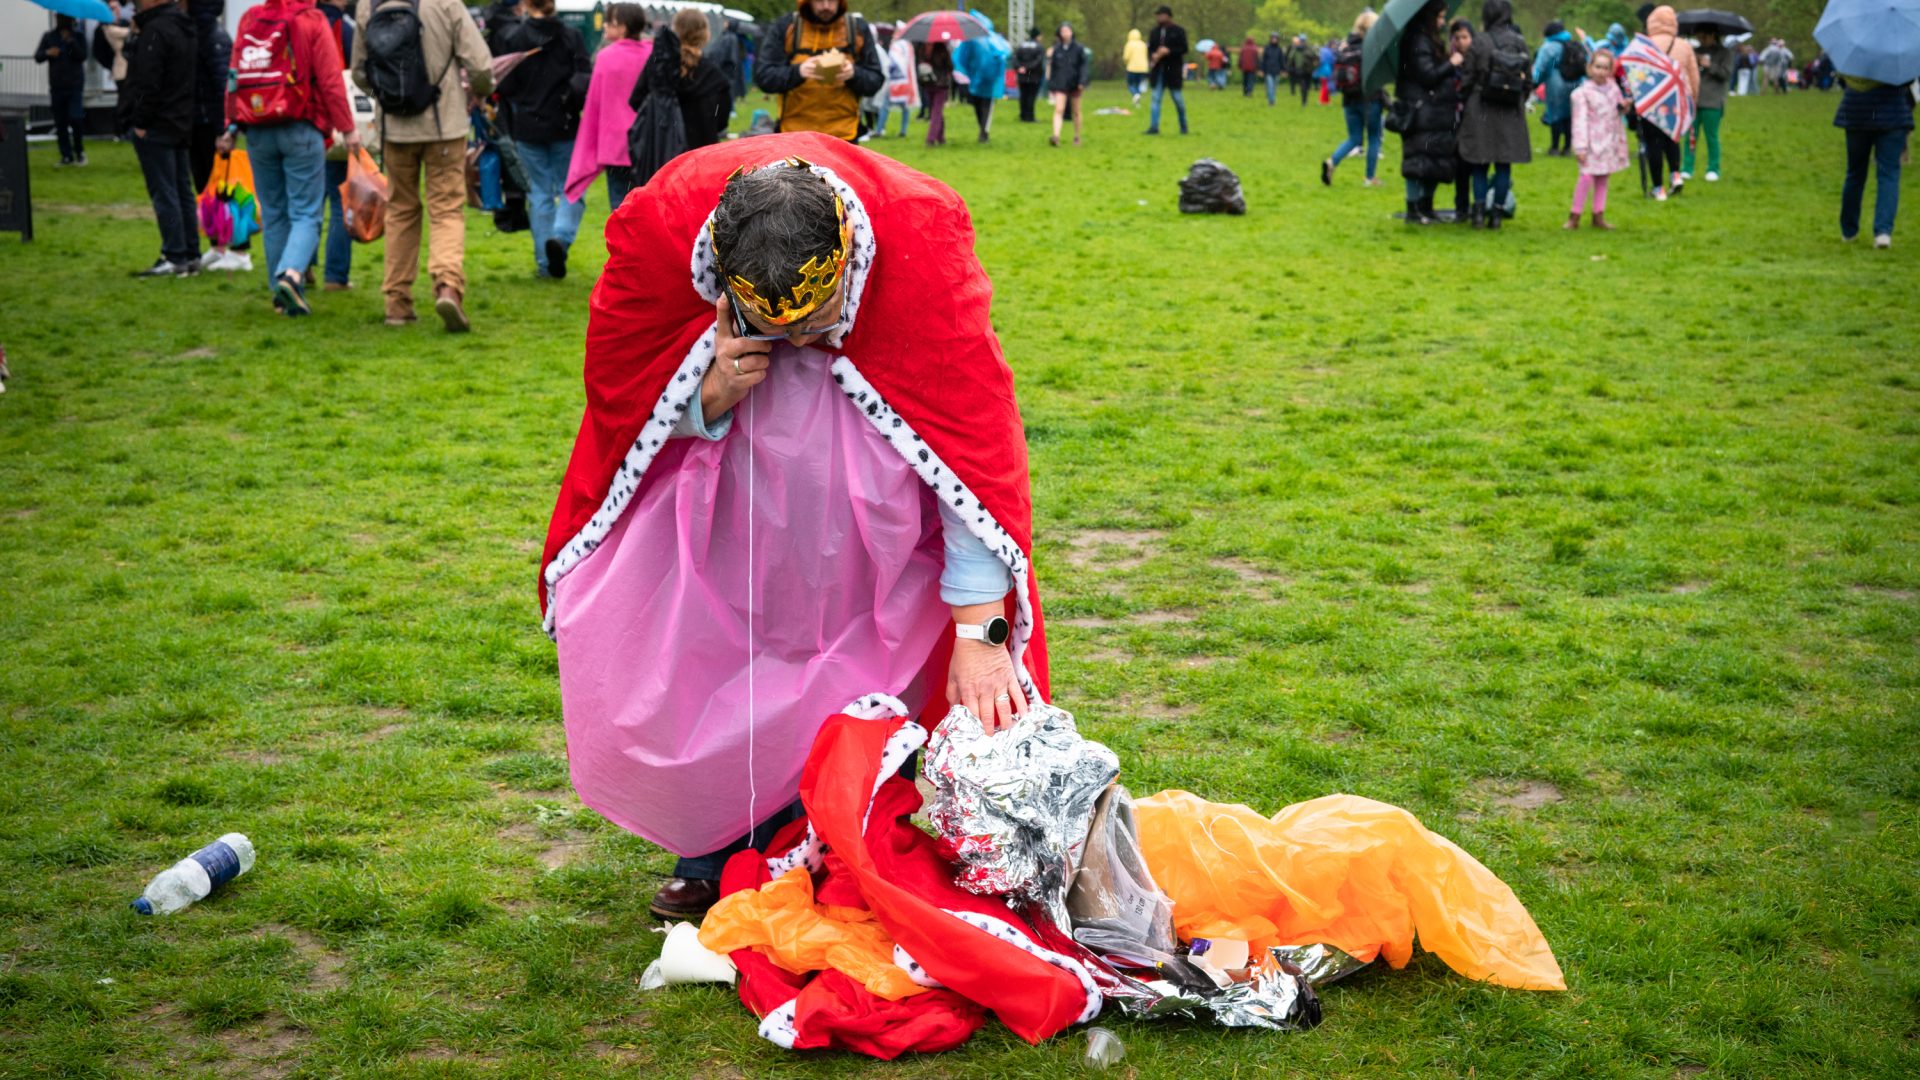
[684, 898]
[400, 312]
[1600, 222]
[446, 301]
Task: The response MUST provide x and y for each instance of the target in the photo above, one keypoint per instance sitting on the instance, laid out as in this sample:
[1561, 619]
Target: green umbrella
[1380, 55]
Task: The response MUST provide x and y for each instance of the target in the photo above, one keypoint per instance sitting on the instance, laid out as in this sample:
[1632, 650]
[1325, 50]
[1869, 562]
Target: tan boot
[446, 301]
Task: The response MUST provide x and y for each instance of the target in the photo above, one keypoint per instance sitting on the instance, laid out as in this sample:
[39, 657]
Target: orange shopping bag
[363, 198]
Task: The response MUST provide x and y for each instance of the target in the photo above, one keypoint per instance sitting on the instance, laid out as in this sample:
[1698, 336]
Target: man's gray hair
[770, 222]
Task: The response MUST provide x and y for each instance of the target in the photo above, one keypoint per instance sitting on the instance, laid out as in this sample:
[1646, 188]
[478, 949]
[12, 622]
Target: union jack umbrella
[952, 27]
[1660, 92]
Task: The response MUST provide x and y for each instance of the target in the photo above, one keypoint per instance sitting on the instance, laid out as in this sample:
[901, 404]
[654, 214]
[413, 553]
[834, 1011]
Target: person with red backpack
[287, 94]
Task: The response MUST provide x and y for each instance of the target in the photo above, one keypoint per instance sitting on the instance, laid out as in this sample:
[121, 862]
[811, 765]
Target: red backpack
[266, 89]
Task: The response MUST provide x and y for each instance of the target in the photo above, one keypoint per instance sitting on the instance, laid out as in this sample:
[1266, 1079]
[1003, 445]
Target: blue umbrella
[1872, 39]
[97, 10]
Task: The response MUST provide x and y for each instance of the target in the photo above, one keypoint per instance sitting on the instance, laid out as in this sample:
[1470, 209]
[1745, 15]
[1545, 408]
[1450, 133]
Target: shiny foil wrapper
[1278, 1000]
[1321, 964]
[1014, 807]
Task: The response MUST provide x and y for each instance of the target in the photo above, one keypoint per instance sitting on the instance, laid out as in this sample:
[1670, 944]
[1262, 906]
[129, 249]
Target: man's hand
[981, 678]
[139, 133]
[53, 50]
[846, 74]
[223, 144]
[351, 140]
[1456, 59]
[809, 69]
[739, 364]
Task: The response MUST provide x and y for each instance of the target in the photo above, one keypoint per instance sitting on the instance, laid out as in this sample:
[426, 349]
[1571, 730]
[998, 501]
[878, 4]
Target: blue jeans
[1136, 82]
[290, 177]
[339, 241]
[707, 867]
[619, 185]
[1179, 104]
[1502, 180]
[1885, 147]
[1363, 118]
[1273, 87]
[887, 115]
[548, 211]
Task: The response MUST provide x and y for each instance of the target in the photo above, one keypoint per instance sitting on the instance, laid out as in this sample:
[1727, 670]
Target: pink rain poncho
[842, 545]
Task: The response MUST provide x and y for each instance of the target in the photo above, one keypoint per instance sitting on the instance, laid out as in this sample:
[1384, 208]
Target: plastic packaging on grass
[1015, 805]
[1113, 903]
[197, 875]
[1104, 1049]
[1341, 870]
[683, 959]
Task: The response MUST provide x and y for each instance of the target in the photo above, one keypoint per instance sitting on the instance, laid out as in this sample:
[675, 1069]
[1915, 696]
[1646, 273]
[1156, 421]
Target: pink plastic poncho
[602, 140]
[845, 558]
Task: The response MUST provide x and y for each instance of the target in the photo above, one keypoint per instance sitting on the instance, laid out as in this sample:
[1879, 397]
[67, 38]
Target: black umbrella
[1380, 55]
[1724, 23]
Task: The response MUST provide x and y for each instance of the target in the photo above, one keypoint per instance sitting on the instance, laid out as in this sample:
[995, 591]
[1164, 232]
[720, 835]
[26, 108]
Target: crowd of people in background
[520, 84]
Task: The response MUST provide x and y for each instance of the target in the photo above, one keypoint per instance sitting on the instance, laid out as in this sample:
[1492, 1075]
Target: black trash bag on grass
[1211, 188]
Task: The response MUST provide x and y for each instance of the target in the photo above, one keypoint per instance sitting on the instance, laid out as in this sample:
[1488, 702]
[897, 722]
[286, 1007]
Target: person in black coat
[1426, 85]
[706, 98]
[209, 84]
[64, 52]
[1030, 69]
[156, 105]
[1493, 130]
[541, 100]
[1273, 64]
[1067, 73]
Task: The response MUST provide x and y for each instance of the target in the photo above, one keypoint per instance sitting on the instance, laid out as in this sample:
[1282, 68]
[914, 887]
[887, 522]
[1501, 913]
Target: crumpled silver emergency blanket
[1321, 964]
[1279, 1000]
[1014, 806]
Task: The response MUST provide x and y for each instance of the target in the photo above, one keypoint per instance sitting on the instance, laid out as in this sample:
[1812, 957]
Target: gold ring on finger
[736, 366]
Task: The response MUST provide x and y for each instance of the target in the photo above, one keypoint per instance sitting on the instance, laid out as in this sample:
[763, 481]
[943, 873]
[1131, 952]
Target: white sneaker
[1659, 194]
[210, 257]
[1713, 178]
[1883, 241]
[234, 261]
[1683, 176]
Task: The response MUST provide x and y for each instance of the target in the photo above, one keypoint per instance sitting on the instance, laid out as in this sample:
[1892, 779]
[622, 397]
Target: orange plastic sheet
[781, 920]
[1341, 870]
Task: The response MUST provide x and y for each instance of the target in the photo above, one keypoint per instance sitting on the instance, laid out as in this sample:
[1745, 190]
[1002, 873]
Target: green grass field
[1597, 552]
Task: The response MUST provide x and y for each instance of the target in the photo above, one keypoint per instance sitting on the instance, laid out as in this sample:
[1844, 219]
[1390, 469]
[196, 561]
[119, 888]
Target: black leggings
[982, 111]
[1663, 154]
[1562, 134]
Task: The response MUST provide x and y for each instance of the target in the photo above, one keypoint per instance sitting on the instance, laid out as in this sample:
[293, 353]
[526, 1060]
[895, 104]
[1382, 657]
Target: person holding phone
[800, 489]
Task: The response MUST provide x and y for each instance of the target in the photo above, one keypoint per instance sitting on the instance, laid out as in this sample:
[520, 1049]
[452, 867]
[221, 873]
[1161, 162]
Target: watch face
[998, 630]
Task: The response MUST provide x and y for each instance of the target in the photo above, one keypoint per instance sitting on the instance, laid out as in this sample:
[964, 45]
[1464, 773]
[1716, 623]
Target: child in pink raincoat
[1599, 138]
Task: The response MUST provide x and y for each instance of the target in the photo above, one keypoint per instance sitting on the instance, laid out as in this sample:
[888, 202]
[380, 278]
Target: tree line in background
[1103, 24]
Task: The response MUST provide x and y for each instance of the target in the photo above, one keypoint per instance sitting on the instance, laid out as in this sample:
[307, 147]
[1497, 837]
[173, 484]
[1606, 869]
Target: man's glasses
[744, 329]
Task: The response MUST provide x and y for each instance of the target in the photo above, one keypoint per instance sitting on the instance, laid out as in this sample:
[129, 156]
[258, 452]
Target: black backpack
[1573, 61]
[1508, 72]
[397, 61]
[1346, 69]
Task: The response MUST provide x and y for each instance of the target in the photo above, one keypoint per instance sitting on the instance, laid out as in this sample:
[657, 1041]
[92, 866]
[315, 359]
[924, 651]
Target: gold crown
[819, 276]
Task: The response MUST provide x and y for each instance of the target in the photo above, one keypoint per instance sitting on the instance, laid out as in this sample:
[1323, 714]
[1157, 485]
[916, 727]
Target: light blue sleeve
[693, 424]
[972, 575]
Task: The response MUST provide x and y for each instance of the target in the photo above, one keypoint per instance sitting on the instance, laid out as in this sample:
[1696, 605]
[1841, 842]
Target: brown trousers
[445, 163]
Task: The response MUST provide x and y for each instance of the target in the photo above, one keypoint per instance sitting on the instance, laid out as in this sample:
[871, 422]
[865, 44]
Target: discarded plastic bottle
[193, 877]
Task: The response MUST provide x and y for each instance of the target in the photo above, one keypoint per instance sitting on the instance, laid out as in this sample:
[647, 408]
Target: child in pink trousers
[1599, 139]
